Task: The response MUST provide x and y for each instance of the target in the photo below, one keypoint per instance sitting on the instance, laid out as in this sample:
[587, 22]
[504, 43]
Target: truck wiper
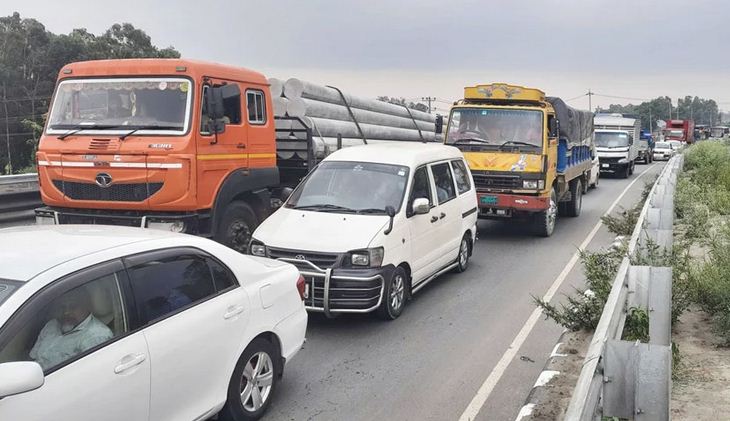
[148, 127]
[80, 127]
[325, 207]
[470, 139]
[516, 142]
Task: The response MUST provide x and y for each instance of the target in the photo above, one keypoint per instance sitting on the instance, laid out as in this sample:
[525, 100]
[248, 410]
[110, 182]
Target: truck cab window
[231, 106]
[256, 104]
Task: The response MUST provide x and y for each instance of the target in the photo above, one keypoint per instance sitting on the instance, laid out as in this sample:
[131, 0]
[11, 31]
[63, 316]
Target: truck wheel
[631, 169]
[585, 181]
[625, 173]
[576, 198]
[544, 222]
[236, 227]
[394, 295]
[598, 177]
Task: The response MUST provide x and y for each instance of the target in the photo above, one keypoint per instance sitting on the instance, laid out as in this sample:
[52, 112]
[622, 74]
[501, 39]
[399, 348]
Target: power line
[429, 99]
[573, 99]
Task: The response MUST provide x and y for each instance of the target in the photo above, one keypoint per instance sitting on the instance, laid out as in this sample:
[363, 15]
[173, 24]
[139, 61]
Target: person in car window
[73, 330]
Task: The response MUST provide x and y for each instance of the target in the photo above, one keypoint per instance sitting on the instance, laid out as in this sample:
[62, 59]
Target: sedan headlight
[367, 258]
[257, 248]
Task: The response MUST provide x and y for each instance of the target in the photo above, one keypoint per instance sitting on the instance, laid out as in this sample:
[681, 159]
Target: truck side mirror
[439, 124]
[214, 110]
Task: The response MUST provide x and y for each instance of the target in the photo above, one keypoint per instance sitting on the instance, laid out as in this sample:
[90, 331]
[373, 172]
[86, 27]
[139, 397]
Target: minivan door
[424, 241]
[448, 226]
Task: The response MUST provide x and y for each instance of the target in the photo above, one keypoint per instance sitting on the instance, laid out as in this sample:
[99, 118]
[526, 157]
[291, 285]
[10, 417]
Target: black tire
[236, 226]
[462, 260]
[625, 173]
[235, 408]
[394, 295]
[576, 198]
[544, 222]
[631, 168]
[585, 183]
[598, 177]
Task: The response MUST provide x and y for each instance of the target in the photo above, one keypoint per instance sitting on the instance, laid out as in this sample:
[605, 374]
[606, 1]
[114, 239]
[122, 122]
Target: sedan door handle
[443, 215]
[128, 362]
[233, 311]
[434, 219]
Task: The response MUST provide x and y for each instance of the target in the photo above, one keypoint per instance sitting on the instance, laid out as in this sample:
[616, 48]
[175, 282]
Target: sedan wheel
[256, 382]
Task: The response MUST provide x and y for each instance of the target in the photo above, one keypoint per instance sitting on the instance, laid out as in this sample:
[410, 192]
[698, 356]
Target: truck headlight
[368, 258]
[529, 184]
[257, 248]
[172, 226]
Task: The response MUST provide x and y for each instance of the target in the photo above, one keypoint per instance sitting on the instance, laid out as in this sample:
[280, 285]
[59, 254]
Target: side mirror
[421, 206]
[285, 193]
[391, 213]
[20, 377]
[214, 102]
[439, 124]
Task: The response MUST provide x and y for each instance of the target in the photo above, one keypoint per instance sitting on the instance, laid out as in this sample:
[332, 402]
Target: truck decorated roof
[503, 92]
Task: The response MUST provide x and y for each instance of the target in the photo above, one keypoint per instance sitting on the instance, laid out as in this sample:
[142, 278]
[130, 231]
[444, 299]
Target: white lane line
[486, 388]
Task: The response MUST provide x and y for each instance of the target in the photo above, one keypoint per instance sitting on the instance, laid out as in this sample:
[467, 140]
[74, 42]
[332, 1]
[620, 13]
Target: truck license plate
[604, 165]
[488, 200]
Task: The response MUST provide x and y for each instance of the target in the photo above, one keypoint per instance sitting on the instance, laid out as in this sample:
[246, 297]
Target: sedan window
[7, 287]
[77, 321]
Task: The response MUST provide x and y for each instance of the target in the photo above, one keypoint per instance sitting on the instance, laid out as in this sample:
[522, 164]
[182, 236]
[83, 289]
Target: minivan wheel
[253, 382]
[394, 295]
[462, 259]
[237, 226]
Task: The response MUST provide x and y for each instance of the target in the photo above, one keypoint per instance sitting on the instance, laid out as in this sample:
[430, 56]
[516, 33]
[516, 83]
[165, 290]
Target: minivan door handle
[233, 311]
[434, 219]
[129, 361]
[443, 215]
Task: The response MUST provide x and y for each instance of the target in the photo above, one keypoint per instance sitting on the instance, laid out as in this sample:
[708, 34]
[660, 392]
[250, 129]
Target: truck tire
[585, 181]
[631, 168]
[544, 222]
[575, 204]
[237, 226]
[626, 172]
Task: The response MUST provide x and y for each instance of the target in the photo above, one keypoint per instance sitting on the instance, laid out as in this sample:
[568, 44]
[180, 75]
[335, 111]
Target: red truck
[682, 130]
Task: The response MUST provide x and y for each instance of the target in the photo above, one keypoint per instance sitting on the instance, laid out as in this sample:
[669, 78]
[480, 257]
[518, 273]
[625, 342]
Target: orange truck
[171, 144]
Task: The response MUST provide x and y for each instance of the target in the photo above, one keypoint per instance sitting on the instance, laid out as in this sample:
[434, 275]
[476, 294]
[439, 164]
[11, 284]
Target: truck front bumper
[504, 205]
[336, 291]
[613, 165]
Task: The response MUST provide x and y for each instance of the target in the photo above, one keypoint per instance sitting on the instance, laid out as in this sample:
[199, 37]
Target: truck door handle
[434, 219]
[233, 311]
[443, 215]
[241, 146]
[129, 362]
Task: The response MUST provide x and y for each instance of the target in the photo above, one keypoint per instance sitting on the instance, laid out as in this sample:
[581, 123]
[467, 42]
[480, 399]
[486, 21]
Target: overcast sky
[623, 48]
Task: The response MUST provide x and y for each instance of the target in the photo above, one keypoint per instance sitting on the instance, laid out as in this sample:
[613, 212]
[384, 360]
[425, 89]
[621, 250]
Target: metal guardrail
[624, 379]
[19, 195]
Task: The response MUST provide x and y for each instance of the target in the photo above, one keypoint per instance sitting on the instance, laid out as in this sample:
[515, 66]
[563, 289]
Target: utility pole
[670, 107]
[429, 99]
[590, 103]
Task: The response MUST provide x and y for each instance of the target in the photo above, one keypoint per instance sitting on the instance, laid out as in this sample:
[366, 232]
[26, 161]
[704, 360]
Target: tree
[702, 111]
[30, 59]
[402, 102]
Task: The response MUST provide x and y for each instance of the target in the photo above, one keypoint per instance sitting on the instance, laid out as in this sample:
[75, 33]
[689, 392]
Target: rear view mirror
[20, 377]
[439, 124]
[421, 206]
[214, 102]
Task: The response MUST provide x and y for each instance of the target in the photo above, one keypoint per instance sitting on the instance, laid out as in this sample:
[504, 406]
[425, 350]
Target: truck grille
[322, 260]
[133, 192]
[485, 180]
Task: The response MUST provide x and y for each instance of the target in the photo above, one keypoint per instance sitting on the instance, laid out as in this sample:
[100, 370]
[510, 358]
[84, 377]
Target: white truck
[617, 142]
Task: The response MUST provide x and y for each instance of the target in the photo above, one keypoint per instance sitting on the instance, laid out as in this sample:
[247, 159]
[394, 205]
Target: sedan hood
[319, 231]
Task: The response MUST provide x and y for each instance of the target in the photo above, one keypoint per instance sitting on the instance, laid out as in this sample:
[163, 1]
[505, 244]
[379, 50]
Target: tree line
[702, 111]
[30, 59]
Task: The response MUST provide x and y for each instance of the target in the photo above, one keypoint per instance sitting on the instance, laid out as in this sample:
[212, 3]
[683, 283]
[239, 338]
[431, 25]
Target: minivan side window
[256, 104]
[169, 281]
[461, 175]
[75, 322]
[421, 188]
[444, 182]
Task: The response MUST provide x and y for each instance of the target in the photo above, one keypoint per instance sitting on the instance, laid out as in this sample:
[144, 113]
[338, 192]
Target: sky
[633, 49]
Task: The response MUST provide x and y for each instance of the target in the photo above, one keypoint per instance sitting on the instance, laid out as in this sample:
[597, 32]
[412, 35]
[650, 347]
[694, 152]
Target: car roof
[410, 154]
[28, 251]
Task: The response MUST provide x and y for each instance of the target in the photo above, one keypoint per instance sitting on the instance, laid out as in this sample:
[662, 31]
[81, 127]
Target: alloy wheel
[257, 381]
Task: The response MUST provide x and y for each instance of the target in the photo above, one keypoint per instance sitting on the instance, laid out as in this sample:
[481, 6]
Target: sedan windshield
[611, 140]
[151, 105]
[7, 288]
[351, 187]
[662, 145]
[495, 127]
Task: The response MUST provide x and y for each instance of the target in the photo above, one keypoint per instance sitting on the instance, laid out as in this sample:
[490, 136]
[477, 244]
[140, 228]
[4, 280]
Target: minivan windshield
[496, 127]
[351, 187]
[611, 140]
[7, 287]
[150, 105]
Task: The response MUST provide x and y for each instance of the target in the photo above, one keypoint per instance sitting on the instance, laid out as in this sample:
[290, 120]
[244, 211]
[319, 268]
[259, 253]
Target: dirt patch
[702, 391]
[553, 398]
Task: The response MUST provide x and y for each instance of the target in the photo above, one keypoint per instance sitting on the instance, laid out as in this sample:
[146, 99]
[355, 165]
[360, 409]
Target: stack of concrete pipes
[324, 110]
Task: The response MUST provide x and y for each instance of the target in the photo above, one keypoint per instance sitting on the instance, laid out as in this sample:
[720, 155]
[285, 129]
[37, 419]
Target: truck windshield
[351, 187]
[675, 134]
[495, 127]
[7, 287]
[152, 105]
[611, 140]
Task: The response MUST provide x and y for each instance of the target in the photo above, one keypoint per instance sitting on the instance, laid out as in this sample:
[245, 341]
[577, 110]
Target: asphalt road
[431, 362]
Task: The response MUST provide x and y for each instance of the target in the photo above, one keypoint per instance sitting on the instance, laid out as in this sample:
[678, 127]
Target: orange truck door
[219, 155]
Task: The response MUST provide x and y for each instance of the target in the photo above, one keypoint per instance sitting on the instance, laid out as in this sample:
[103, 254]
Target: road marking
[487, 387]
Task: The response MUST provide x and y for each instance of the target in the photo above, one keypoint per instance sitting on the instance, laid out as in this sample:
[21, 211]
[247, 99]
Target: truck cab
[617, 142]
[175, 144]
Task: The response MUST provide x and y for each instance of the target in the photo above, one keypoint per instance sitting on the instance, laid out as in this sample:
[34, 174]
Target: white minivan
[372, 224]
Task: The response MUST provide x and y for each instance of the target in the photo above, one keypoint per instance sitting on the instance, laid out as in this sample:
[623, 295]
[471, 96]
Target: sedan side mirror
[20, 377]
[421, 206]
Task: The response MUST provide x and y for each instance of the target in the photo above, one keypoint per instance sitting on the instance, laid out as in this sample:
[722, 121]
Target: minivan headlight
[257, 248]
[372, 257]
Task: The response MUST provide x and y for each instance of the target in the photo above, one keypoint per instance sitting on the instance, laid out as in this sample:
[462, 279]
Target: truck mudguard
[253, 181]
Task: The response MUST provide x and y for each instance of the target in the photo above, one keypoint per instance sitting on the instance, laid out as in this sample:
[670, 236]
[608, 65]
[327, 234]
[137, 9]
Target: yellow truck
[530, 155]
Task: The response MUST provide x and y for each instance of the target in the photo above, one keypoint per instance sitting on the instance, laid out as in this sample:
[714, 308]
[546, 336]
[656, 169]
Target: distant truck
[617, 141]
[530, 155]
[682, 130]
[718, 132]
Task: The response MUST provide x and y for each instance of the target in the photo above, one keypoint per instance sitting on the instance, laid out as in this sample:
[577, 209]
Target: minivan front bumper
[342, 290]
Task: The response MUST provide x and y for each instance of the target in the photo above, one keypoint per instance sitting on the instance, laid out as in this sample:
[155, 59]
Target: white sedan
[663, 151]
[112, 323]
